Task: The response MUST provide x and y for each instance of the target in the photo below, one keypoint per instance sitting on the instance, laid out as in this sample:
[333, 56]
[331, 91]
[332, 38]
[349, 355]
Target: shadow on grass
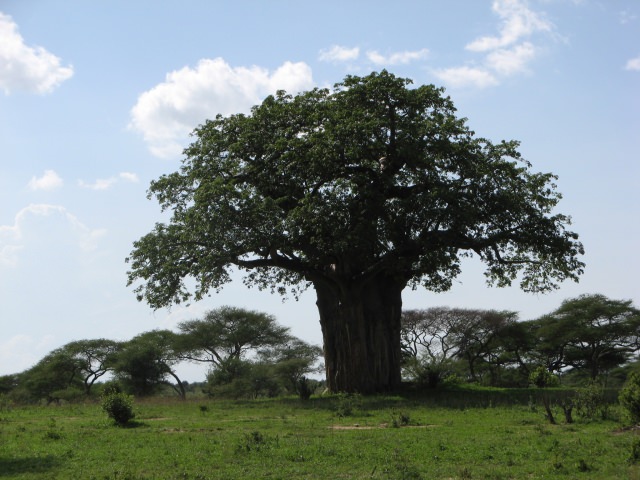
[129, 424]
[18, 466]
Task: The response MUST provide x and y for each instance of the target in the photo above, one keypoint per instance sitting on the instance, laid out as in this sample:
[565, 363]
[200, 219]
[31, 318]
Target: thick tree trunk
[361, 332]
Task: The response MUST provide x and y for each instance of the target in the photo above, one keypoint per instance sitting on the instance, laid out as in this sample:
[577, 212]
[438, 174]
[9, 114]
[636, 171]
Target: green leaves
[373, 176]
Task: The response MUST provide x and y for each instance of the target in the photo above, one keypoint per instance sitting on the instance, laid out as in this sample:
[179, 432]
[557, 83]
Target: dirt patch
[372, 427]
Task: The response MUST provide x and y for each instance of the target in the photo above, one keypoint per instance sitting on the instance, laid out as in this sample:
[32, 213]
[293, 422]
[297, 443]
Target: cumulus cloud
[168, 112]
[460, 77]
[107, 183]
[512, 60]
[48, 181]
[505, 54]
[518, 21]
[339, 53]
[14, 238]
[397, 58]
[633, 64]
[25, 68]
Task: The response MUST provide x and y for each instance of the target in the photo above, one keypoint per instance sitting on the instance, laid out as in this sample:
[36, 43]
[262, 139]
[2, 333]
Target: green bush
[119, 407]
[630, 397]
[543, 378]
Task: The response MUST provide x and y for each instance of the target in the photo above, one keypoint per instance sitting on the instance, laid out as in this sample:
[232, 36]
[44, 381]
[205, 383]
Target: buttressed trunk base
[361, 333]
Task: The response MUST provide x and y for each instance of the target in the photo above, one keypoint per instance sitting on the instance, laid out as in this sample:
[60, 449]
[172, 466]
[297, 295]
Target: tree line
[248, 354]
[585, 339]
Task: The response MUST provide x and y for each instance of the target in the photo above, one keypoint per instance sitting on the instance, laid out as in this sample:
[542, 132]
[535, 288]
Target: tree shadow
[17, 466]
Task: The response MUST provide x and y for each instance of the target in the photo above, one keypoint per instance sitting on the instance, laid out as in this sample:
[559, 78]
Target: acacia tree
[227, 333]
[92, 358]
[359, 191]
[145, 362]
[597, 333]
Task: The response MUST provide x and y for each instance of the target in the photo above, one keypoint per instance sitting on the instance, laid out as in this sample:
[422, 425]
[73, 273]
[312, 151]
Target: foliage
[590, 401]
[229, 333]
[590, 332]
[145, 363]
[119, 407]
[543, 378]
[630, 397]
[53, 378]
[359, 191]
[435, 338]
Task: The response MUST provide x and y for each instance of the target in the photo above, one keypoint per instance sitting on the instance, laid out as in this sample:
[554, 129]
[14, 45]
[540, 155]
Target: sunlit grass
[383, 437]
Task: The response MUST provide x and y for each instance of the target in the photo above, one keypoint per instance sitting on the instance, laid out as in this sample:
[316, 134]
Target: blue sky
[98, 98]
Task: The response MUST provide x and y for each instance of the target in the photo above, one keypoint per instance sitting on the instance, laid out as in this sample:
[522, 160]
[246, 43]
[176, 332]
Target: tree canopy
[359, 191]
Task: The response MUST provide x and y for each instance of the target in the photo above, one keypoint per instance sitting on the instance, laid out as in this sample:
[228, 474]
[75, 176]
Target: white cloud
[518, 21]
[48, 181]
[505, 54]
[398, 58]
[24, 68]
[15, 238]
[510, 61]
[466, 77]
[338, 53]
[99, 184]
[107, 183]
[633, 64]
[627, 17]
[129, 177]
[168, 112]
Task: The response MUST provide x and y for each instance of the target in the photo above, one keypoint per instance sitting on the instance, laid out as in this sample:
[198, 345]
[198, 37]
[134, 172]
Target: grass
[459, 435]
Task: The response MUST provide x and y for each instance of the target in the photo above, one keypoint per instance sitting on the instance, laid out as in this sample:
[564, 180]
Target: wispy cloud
[627, 17]
[505, 54]
[107, 183]
[50, 180]
[461, 77]
[338, 53]
[397, 58]
[13, 238]
[25, 68]
[518, 21]
[510, 61]
[633, 64]
[168, 112]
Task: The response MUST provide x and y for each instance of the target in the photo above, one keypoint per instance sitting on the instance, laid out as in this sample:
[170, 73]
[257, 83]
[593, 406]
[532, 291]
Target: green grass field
[384, 437]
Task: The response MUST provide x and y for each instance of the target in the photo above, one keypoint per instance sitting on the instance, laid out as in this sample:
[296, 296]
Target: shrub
[119, 407]
[591, 403]
[630, 397]
[543, 378]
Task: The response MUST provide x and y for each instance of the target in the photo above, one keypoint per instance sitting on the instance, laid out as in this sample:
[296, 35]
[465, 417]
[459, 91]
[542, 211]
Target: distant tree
[145, 363]
[358, 191]
[55, 377]
[291, 362]
[92, 358]
[430, 332]
[476, 336]
[597, 333]
[9, 383]
[227, 334]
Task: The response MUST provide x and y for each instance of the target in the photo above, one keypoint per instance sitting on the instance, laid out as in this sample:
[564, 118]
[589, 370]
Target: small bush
[591, 403]
[304, 388]
[347, 404]
[543, 378]
[630, 397]
[255, 442]
[119, 407]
